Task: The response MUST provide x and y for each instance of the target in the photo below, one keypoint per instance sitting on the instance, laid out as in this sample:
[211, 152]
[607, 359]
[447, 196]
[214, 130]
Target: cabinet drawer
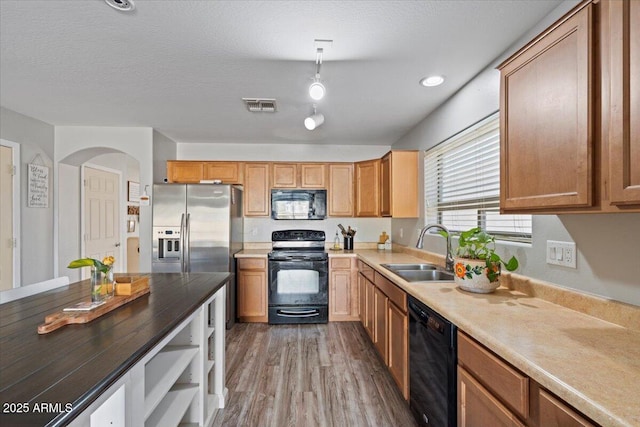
[340, 263]
[509, 385]
[252, 263]
[395, 294]
[365, 270]
[554, 413]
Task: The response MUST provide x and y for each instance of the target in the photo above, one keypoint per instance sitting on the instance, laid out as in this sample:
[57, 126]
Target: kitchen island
[162, 350]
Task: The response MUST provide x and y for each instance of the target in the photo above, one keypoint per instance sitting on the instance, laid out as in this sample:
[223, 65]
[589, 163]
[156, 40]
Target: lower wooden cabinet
[344, 299]
[383, 313]
[491, 393]
[252, 288]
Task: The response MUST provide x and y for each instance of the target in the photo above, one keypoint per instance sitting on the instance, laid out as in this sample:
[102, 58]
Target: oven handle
[307, 313]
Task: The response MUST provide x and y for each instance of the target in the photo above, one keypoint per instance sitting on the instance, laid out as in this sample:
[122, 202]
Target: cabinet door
[380, 307]
[547, 120]
[399, 348]
[284, 175]
[340, 295]
[385, 185]
[256, 189]
[370, 309]
[313, 175]
[340, 192]
[362, 296]
[184, 172]
[479, 408]
[227, 172]
[368, 188]
[624, 128]
[252, 295]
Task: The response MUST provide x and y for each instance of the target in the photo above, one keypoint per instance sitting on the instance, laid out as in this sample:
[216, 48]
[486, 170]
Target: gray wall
[163, 149]
[36, 224]
[608, 259]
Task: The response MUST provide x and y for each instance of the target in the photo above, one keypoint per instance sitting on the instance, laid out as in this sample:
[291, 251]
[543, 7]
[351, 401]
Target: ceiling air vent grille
[258, 105]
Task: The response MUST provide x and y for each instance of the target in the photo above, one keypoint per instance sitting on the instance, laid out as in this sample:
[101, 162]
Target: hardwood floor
[308, 375]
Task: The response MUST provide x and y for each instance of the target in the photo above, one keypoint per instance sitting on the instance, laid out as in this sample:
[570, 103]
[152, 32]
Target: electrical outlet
[561, 253]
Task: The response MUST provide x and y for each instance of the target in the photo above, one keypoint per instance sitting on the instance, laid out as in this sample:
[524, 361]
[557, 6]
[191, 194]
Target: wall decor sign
[133, 194]
[38, 191]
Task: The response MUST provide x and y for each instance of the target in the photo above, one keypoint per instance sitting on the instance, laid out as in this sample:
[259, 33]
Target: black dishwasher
[432, 366]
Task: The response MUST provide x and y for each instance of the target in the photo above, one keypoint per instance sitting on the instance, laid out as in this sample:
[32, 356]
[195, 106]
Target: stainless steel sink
[411, 266]
[420, 272]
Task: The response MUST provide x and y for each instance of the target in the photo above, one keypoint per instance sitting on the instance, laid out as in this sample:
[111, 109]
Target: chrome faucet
[420, 243]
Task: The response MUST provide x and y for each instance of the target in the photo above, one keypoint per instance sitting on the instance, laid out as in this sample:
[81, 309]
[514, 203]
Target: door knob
[117, 245]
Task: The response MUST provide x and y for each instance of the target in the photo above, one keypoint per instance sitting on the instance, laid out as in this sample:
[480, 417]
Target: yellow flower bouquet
[102, 281]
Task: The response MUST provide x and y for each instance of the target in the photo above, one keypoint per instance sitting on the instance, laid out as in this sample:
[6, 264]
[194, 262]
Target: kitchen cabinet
[184, 172]
[367, 192]
[340, 192]
[491, 392]
[227, 172]
[570, 114]
[343, 294]
[399, 184]
[284, 175]
[383, 313]
[252, 288]
[256, 189]
[547, 118]
[621, 75]
[313, 175]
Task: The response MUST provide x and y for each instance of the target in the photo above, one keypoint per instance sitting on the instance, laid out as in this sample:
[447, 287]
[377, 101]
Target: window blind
[462, 184]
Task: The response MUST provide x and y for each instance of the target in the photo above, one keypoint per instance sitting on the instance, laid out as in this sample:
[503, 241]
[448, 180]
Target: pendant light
[314, 120]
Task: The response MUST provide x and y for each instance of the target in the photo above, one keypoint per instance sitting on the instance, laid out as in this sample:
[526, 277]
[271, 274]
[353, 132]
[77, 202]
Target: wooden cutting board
[61, 318]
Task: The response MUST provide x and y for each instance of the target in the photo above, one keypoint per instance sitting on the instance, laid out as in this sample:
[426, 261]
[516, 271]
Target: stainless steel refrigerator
[198, 228]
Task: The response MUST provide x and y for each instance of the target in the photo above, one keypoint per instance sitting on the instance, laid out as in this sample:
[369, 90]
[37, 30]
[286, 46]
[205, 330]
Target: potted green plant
[477, 266]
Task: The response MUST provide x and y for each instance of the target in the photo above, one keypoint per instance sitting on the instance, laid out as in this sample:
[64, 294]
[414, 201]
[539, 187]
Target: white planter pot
[471, 275]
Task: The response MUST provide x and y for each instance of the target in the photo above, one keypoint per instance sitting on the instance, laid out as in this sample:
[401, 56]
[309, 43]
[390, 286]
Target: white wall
[76, 144]
[280, 152]
[36, 241]
[608, 263]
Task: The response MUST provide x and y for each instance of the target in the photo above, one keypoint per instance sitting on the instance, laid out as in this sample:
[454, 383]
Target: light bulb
[313, 121]
[316, 90]
[432, 81]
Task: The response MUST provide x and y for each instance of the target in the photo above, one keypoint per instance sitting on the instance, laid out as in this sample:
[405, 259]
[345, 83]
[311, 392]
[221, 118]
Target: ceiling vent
[260, 105]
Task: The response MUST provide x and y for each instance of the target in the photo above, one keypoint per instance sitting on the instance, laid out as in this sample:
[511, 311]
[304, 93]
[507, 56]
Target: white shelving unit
[180, 382]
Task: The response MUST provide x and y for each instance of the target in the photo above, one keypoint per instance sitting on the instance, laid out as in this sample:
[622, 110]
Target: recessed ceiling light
[432, 81]
[121, 5]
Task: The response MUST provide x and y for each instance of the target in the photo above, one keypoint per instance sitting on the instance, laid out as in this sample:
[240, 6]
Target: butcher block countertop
[49, 379]
[592, 364]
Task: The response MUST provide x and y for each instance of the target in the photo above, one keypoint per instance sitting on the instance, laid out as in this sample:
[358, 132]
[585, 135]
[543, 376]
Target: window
[462, 184]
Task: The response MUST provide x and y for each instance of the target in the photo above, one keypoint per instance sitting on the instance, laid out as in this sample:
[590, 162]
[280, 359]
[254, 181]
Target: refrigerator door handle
[188, 245]
[182, 244]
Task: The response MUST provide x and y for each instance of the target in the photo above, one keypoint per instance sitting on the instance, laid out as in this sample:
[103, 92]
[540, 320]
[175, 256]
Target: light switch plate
[561, 253]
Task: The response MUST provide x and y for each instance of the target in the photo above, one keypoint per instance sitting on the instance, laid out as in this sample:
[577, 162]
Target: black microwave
[298, 204]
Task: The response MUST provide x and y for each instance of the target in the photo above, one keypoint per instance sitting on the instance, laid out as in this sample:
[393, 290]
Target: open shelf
[173, 406]
[162, 372]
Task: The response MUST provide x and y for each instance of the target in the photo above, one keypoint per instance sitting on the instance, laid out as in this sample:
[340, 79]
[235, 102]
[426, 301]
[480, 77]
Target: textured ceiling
[182, 67]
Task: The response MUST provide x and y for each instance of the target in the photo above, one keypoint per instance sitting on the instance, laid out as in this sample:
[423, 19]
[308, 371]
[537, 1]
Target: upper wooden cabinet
[621, 39]
[367, 177]
[313, 175]
[186, 172]
[256, 189]
[340, 193]
[284, 175]
[399, 184]
[547, 120]
[190, 172]
[570, 115]
[227, 172]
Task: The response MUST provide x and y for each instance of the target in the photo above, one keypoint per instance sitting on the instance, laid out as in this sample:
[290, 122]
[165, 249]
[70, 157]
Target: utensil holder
[348, 243]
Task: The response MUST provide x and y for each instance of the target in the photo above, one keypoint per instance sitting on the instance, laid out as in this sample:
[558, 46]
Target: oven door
[298, 282]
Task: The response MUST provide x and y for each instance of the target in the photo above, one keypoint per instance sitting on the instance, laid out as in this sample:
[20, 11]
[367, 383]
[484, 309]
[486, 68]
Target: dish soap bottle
[336, 242]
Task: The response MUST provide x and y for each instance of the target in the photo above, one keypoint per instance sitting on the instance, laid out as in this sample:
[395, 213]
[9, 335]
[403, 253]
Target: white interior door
[101, 215]
[9, 215]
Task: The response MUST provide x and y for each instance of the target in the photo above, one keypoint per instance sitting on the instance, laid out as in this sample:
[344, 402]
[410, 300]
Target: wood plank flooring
[308, 375]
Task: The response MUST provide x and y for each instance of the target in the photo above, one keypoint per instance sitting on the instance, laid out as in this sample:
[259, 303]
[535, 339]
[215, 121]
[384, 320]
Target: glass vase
[98, 288]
